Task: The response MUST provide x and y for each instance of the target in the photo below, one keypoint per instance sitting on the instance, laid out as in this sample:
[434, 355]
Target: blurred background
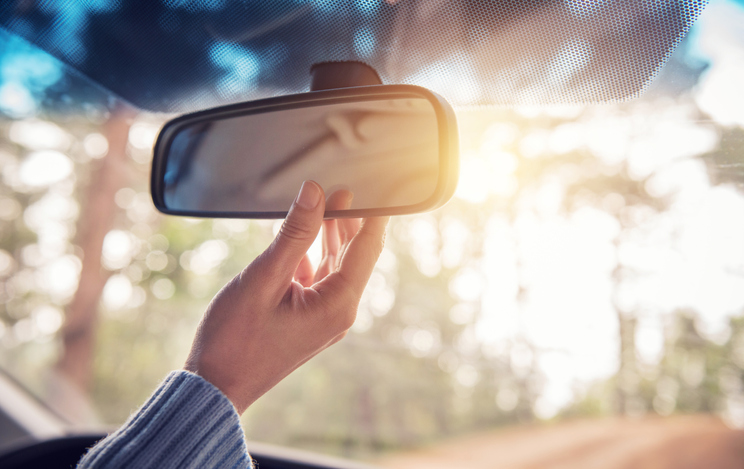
[583, 292]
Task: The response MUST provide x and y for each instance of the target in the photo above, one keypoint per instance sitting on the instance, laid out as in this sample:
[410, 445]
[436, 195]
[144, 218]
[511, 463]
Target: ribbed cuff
[186, 423]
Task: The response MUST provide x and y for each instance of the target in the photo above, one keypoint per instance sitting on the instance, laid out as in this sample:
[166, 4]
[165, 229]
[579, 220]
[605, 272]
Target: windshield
[590, 266]
[185, 55]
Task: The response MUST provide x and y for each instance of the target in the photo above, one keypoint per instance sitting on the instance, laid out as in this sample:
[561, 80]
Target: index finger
[360, 257]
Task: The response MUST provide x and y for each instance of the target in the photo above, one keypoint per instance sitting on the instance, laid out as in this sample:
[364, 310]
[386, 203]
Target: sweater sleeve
[186, 423]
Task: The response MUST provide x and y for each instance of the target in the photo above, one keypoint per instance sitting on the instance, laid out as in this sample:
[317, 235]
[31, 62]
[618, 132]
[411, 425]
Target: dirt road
[684, 442]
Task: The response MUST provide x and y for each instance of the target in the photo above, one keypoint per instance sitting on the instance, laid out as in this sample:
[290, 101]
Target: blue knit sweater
[187, 423]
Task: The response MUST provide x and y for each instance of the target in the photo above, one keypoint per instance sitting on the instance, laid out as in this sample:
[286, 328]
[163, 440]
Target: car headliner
[182, 55]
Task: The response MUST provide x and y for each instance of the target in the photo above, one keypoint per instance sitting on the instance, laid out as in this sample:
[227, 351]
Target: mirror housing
[174, 194]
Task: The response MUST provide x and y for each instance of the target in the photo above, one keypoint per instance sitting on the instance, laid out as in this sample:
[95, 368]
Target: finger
[361, 255]
[305, 272]
[338, 200]
[347, 229]
[280, 261]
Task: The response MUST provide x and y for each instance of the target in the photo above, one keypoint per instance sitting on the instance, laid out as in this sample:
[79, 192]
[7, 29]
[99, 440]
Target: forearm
[186, 423]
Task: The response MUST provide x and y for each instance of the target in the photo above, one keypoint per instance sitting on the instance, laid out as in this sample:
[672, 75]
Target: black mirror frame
[448, 145]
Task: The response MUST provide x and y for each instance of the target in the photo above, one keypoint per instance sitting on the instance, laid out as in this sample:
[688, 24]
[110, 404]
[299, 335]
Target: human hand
[263, 324]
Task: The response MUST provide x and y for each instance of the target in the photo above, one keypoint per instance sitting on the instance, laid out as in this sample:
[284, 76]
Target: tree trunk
[72, 377]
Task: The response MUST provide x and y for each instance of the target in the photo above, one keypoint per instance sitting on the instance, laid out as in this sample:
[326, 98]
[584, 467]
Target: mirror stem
[333, 75]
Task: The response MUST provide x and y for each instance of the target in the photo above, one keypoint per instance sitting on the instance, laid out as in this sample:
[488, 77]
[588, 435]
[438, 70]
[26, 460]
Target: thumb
[297, 233]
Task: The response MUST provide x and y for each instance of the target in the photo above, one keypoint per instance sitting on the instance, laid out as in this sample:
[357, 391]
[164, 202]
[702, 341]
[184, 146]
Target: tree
[70, 387]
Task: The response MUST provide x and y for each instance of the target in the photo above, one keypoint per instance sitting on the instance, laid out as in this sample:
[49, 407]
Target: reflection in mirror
[386, 152]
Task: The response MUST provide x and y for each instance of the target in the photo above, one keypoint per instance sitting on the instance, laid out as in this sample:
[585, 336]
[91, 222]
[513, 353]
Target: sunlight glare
[39, 135]
[117, 292]
[95, 145]
[142, 135]
[43, 168]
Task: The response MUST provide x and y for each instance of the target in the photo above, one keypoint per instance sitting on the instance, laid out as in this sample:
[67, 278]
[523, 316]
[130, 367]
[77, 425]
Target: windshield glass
[590, 266]
[185, 55]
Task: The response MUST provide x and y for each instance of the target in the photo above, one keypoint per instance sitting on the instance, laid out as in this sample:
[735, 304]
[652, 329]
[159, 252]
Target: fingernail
[309, 196]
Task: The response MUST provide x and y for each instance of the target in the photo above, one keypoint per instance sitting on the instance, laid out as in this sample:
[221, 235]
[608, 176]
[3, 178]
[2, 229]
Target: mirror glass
[386, 152]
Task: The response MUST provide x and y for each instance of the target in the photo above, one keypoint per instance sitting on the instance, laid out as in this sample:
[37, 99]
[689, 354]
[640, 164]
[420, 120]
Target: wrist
[228, 387]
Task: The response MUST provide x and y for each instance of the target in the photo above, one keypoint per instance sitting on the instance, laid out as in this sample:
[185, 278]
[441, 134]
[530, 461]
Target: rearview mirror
[393, 146]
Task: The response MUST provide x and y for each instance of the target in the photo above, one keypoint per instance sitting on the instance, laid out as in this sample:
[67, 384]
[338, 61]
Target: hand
[263, 324]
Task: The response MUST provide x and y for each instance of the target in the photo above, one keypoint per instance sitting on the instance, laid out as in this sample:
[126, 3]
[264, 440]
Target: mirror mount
[334, 75]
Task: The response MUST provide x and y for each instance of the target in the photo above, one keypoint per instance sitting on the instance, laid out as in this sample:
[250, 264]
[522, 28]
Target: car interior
[562, 283]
